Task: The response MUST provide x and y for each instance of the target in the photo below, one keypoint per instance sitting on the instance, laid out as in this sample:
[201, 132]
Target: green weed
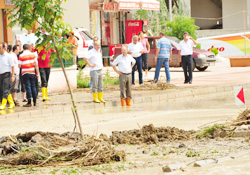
[214, 151]
[208, 131]
[192, 154]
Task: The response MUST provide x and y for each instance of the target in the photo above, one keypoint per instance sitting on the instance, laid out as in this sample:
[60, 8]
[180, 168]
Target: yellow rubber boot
[96, 98]
[4, 102]
[46, 94]
[100, 95]
[11, 102]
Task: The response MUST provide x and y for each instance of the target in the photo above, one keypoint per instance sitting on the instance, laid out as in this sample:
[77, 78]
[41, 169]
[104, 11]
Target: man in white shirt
[6, 76]
[14, 84]
[125, 63]
[94, 60]
[135, 49]
[185, 54]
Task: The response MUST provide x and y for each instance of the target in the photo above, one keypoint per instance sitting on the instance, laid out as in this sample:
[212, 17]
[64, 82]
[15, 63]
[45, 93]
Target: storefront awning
[132, 4]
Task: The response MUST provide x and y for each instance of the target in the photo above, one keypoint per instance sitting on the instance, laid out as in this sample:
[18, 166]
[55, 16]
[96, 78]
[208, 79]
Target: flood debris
[243, 118]
[40, 148]
[201, 163]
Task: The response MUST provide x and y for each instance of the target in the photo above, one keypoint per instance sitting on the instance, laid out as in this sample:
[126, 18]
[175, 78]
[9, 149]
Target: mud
[150, 135]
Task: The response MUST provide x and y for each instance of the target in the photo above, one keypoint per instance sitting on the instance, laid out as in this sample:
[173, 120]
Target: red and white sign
[133, 27]
[150, 5]
[145, 22]
[135, 4]
[107, 6]
[239, 95]
[128, 4]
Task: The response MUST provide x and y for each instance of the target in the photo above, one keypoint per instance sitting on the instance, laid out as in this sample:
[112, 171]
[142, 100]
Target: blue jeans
[30, 86]
[138, 64]
[165, 62]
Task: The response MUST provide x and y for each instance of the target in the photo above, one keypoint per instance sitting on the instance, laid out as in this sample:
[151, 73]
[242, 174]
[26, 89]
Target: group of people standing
[25, 66]
[135, 55]
[20, 68]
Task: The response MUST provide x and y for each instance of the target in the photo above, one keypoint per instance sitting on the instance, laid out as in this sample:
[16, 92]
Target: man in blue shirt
[163, 56]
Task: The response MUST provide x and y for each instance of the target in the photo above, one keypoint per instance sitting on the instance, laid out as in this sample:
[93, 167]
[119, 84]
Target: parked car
[201, 58]
[85, 40]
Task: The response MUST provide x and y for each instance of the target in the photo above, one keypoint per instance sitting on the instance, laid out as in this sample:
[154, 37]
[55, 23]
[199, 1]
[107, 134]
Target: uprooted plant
[38, 148]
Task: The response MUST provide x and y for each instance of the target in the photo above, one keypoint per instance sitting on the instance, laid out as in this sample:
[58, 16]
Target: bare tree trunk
[70, 90]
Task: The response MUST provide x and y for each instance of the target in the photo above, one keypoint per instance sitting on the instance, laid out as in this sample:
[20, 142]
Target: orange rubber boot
[128, 102]
[123, 102]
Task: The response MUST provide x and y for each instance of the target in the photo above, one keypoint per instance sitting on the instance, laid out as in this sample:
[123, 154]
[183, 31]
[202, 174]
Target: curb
[139, 100]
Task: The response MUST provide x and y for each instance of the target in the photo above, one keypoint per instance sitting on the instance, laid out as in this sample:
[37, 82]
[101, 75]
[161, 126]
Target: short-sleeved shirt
[44, 63]
[186, 48]
[165, 47]
[124, 63]
[6, 63]
[27, 61]
[144, 44]
[15, 62]
[135, 49]
[95, 57]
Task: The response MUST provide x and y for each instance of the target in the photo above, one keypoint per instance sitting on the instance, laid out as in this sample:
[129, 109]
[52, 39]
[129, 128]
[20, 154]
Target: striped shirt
[27, 61]
[165, 47]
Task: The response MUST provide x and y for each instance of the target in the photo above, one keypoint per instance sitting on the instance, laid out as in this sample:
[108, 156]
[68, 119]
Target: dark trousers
[187, 64]
[144, 61]
[5, 84]
[30, 86]
[138, 64]
[21, 83]
[44, 74]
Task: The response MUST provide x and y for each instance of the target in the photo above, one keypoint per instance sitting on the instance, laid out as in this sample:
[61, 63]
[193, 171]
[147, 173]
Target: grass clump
[107, 80]
[208, 131]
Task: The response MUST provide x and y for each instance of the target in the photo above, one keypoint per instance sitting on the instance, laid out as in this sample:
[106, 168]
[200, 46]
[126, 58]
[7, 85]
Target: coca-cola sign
[134, 24]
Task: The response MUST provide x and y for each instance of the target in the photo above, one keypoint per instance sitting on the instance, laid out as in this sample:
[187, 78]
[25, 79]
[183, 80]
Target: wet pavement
[186, 113]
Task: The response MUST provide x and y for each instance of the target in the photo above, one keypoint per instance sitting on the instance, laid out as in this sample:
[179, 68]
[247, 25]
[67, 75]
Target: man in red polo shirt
[44, 69]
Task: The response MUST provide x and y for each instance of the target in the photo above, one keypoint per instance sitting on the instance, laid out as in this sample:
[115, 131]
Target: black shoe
[190, 82]
[185, 82]
[27, 105]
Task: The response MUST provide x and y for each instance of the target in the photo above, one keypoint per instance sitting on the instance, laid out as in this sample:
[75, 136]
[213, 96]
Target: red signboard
[107, 6]
[112, 49]
[107, 30]
[133, 27]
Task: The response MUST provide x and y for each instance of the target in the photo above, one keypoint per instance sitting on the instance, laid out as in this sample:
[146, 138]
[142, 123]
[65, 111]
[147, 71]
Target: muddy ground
[144, 156]
[126, 150]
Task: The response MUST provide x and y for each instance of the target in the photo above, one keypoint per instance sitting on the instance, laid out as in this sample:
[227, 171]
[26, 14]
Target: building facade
[77, 13]
[6, 33]
[221, 14]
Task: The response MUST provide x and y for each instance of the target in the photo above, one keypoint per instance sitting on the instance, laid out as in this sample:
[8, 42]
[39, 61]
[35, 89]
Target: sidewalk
[219, 78]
